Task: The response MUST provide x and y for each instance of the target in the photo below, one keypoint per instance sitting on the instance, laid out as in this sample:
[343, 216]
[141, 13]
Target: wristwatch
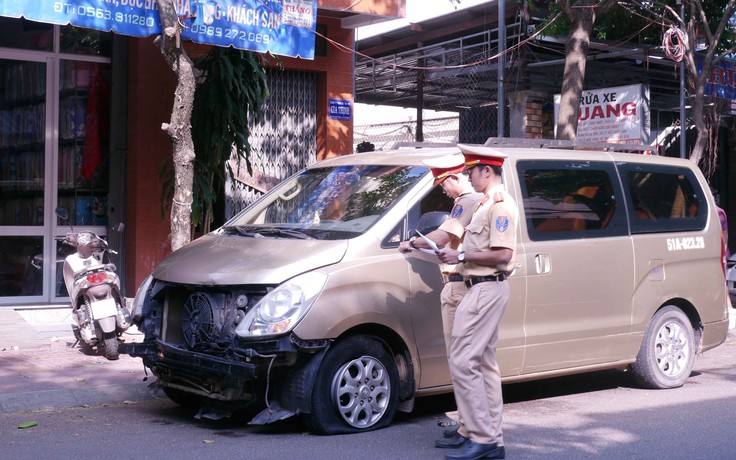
[412, 240]
[461, 257]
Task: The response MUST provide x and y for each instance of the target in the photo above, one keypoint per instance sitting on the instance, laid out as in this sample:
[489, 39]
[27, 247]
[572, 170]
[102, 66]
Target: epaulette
[497, 197]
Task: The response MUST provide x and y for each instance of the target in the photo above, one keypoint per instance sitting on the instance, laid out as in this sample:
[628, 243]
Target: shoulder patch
[457, 211]
[497, 197]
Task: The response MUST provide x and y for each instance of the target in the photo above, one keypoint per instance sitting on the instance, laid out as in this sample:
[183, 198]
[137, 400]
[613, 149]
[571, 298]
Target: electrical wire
[674, 42]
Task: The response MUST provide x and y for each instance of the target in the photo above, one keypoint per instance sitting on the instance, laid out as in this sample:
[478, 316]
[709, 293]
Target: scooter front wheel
[111, 346]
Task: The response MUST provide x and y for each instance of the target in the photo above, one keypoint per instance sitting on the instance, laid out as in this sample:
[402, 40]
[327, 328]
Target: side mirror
[62, 213]
[431, 221]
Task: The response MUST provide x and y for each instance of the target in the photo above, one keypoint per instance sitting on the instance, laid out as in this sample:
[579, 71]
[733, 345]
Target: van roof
[414, 156]
[389, 157]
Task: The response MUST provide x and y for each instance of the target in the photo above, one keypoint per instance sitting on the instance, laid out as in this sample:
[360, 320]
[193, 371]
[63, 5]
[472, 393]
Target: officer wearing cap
[447, 172]
[485, 261]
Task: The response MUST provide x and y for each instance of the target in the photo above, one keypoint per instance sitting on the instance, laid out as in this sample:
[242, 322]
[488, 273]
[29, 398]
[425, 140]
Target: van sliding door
[579, 261]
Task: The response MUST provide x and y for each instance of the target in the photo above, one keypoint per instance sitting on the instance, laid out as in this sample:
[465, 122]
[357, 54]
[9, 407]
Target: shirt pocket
[473, 233]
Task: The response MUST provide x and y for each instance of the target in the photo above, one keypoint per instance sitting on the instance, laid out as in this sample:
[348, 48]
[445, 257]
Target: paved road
[598, 415]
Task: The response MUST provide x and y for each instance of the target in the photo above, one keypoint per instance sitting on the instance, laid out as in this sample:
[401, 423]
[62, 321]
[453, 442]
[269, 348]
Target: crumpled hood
[235, 259]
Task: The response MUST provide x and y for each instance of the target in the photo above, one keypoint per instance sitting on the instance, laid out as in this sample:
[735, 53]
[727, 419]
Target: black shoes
[470, 450]
[451, 440]
[450, 432]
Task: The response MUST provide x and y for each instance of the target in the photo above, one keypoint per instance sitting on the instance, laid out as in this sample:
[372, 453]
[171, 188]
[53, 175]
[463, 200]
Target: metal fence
[383, 135]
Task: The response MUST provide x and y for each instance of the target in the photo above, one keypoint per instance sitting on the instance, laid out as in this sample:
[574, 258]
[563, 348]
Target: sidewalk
[46, 373]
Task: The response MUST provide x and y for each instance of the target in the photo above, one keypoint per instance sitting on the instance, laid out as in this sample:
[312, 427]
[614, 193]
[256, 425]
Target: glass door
[23, 120]
[83, 152]
[54, 151]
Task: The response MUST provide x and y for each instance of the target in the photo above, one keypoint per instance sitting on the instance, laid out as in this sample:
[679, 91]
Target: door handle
[542, 263]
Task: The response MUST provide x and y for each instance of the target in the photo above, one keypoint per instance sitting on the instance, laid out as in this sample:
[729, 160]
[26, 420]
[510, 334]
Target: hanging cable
[674, 43]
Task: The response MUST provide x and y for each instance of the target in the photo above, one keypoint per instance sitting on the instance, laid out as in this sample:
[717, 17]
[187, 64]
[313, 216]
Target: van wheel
[667, 354]
[356, 388]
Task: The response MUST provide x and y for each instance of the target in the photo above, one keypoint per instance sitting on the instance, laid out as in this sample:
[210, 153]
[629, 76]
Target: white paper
[429, 242]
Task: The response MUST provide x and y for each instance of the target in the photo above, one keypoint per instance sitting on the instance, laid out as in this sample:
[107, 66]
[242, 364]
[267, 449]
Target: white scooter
[99, 313]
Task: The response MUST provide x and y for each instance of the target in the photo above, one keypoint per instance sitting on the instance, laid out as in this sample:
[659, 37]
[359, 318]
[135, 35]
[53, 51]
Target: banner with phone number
[283, 27]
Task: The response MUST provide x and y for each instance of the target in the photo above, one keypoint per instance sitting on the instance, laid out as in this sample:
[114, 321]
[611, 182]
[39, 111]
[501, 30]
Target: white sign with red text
[618, 115]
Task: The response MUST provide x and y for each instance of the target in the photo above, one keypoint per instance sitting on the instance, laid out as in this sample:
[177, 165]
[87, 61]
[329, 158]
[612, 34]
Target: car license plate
[104, 308]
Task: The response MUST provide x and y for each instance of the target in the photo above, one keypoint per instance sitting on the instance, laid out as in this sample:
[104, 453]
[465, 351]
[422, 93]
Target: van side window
[565, 199]
[663, 199]
[433, 201]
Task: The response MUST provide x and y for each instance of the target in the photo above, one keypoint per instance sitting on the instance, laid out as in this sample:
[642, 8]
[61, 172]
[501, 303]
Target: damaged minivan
[302, 304]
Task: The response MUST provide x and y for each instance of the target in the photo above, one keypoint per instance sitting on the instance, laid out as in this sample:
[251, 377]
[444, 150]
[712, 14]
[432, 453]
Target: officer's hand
[448, 256]
[405, 247]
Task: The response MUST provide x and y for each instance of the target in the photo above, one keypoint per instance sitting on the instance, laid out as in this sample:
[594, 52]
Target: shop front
[54, 150]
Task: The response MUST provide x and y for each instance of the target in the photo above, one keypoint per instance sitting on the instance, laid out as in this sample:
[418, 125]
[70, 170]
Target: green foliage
[234, 88]
[633, 21]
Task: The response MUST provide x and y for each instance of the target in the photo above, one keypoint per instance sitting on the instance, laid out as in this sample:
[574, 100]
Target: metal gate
[283, 140]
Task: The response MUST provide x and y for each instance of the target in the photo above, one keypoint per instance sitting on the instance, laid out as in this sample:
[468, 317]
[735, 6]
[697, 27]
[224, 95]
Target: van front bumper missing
[201, 373]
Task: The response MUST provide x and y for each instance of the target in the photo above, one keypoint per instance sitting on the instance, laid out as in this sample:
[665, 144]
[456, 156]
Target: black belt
[452, 278]
[473, 280]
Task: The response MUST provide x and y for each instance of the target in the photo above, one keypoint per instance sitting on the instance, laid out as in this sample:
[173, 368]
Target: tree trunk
[582, 16]
[576, 50]
[179, 129]
[701, 141]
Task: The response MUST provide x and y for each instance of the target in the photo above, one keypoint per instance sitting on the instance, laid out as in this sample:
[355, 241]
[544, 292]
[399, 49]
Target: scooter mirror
[62, 213]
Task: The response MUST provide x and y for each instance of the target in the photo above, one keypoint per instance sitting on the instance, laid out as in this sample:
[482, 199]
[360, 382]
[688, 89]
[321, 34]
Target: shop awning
[284, 27]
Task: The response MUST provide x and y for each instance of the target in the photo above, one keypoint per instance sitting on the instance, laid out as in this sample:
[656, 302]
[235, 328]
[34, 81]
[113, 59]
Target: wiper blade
[286, 232]
[240, 231]
[254, 232]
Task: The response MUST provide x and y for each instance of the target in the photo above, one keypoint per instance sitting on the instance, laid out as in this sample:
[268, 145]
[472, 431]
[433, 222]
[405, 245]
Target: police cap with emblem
[479, 155]
[445, 166]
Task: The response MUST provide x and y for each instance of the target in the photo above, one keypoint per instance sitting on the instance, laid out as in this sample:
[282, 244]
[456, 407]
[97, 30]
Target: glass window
[569, 199]
[664, 199]
[24, 34]
[21, 266]
[433, 202]
[84, 131]
[78, 40]
[328, 203]
[22, 134]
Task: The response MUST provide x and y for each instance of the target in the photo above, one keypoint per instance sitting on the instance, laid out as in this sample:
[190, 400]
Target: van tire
[368, 407]
[667, 353]
[188, 401]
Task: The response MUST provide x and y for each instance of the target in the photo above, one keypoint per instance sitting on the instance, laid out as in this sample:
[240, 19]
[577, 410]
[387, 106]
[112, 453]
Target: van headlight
[140, 297]
[282, 308]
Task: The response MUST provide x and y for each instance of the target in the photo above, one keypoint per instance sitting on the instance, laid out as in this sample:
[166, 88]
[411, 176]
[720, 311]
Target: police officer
[485, 261]
[447, 172]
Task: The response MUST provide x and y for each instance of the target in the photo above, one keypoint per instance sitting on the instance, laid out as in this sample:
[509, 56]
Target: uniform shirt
[460, 216]
[493, 224]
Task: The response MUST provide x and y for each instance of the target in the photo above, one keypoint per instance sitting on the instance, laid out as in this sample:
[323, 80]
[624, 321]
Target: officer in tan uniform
[486, 260]
[447, 172]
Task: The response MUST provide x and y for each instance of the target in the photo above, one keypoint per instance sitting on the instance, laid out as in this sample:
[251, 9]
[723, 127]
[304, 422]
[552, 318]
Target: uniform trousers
[475, 373]
[450, 297]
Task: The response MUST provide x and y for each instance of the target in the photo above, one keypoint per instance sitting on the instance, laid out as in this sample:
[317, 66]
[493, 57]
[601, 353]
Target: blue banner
[722, 79]
[283, 27]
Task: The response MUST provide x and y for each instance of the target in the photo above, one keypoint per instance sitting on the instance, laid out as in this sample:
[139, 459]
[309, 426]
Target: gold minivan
[302, 304]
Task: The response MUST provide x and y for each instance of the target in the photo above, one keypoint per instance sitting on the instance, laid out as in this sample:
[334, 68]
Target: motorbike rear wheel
[111, 346]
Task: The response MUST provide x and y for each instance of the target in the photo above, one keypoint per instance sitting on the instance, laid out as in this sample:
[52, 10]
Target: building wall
[151, 88]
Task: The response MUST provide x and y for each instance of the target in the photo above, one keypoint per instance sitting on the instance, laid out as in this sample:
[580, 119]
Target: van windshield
[326, 203]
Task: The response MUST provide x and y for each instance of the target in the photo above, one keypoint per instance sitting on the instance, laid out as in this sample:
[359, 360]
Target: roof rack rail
[572, 145]
[414, 145]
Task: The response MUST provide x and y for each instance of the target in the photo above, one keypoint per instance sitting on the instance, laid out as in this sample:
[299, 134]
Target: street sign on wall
[619, 115]
[283, 27]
